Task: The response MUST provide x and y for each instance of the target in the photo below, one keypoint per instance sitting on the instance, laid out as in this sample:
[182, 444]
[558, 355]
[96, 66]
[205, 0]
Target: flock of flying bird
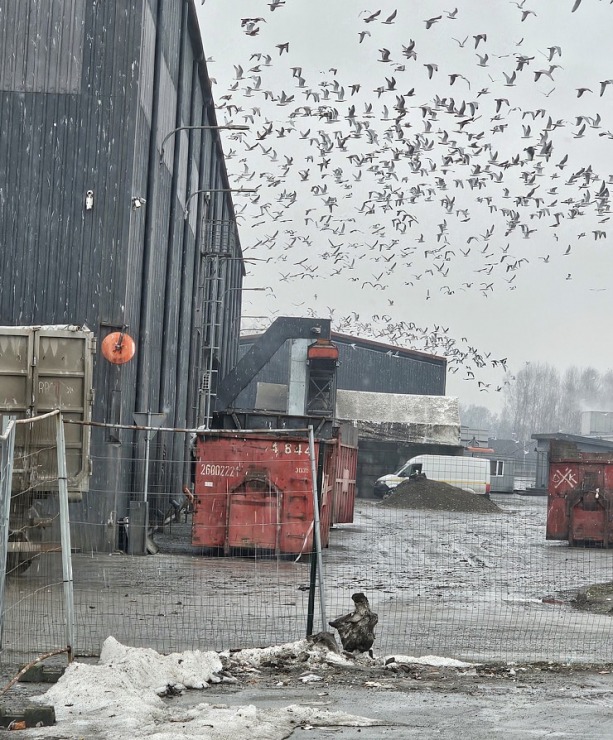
[404, 188]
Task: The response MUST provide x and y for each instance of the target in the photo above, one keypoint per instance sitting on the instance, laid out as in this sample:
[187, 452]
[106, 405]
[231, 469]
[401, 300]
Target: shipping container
[44, 368]
[254, 492]
[345, 475]
[580, 495]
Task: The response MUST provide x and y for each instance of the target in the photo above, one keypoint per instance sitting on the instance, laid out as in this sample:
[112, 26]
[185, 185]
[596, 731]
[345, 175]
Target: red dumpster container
[254, 492]
[345, 473]
[580, 495]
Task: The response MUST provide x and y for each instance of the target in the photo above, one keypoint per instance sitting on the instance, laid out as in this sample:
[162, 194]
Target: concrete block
[42, 674]
[33, 715]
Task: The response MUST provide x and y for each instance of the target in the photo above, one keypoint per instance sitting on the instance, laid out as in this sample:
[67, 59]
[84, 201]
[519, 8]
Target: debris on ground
[357, 629]
[431, 494]
[132, 692]
[597, 598]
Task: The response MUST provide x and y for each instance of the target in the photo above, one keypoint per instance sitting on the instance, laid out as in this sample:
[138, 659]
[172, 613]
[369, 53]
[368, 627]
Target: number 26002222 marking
[221, 470]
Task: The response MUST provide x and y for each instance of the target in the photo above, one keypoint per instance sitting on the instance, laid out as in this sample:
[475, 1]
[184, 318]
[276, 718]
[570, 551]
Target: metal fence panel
[7, 448]
[479, 585]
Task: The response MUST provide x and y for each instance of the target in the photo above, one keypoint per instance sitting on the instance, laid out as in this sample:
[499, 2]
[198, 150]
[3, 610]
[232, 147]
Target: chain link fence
[473, 584]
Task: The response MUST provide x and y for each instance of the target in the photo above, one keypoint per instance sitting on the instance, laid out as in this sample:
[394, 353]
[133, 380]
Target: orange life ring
[118, 347]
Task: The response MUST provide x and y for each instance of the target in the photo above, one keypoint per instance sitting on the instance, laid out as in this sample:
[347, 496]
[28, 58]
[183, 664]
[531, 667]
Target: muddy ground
[596, 598]
[486, 588]
[474, 586]
[538, 700]
[510, 701]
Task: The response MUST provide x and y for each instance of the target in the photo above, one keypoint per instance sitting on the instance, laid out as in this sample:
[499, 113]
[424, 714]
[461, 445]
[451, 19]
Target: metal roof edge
[561, 436]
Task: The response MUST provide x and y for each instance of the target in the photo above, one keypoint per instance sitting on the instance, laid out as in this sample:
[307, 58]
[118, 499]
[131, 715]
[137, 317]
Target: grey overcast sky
[431, 176]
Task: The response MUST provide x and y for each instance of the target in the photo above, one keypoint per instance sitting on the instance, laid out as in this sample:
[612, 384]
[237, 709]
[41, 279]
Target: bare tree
[570, 396]
[606, 388]
[531, 400]
[478, 417]
[538, 399]
[590, 389]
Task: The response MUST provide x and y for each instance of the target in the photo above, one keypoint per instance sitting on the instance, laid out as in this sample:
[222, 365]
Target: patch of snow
[310, 678]
[147, 668]
[290, 652]
[436, 661]
[119, 697]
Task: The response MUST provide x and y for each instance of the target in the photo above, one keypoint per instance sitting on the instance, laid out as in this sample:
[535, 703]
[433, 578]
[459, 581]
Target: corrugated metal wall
[363, 366]
[88, 93]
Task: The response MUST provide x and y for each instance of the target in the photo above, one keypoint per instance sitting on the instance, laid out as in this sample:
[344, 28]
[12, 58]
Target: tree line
[539, 398]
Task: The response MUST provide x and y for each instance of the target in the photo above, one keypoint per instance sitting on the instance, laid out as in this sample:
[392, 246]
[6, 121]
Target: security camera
[89, 200]
[137, 202]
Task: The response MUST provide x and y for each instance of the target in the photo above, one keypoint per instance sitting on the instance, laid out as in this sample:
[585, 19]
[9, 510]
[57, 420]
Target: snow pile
[120, 697]
[436, 661]
[302, 651]
[313, 655]
[146, 668]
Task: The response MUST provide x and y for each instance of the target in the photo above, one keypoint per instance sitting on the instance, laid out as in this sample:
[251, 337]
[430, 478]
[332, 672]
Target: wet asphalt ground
[486, 588]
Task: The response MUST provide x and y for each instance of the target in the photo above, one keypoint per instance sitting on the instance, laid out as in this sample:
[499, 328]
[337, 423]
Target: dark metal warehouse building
[109, 220]
[364, 365]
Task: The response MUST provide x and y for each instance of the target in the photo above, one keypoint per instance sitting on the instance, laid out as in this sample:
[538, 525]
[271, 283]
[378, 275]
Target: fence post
[317, 530]
[7, 443]
[62, 486]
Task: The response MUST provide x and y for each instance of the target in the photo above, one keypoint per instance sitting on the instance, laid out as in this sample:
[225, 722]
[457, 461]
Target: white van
[469, 473]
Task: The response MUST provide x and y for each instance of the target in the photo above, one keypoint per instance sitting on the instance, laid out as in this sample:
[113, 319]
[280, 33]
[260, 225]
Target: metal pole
[147, 440]
[8, 437]
[313, 561]
[316, 530]
[62, 486]
[231, 127]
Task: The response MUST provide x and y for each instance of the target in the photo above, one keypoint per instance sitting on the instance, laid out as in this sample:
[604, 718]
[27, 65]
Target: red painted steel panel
[345, 483]
[588, 521]
[322, 349]
[580, 495]
[255, 491]
[557, 518]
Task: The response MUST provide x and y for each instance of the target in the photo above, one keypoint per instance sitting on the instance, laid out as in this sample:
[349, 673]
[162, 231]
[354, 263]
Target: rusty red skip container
[254, 492]
[580, 496]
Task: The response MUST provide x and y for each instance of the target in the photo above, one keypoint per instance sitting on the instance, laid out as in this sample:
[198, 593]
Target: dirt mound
[432, 494]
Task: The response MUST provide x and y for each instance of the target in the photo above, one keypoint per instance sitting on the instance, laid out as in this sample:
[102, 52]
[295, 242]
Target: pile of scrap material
[431, 494]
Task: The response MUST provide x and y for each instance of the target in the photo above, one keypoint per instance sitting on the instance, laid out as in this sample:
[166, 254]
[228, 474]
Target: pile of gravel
[432, 494]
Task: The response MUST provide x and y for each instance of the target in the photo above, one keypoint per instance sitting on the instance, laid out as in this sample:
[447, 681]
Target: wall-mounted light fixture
[214, 190]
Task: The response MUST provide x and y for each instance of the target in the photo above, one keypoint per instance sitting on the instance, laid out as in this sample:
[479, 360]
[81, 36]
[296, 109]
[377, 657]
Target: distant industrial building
[116, 213]
[597, 424]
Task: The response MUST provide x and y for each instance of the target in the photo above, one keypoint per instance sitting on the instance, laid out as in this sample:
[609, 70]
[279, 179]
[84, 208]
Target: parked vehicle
[469, 473]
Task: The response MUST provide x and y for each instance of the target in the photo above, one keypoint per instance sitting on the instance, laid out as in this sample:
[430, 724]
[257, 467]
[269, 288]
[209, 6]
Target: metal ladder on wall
[213, 292]
[214, 282]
